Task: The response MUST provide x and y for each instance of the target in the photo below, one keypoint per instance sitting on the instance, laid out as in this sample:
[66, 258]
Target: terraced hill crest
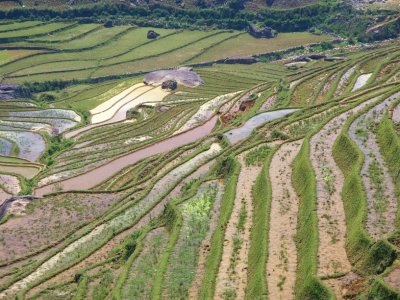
[201, 164]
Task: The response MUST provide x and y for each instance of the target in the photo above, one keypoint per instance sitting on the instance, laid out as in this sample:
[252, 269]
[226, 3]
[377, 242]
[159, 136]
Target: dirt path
[232, 275]
[269, 103]
[393, 279]
[332, 257]
[325, 89]
[396, 114]
[382, 203]
[344, 80]
[10, 184]
[282, 254]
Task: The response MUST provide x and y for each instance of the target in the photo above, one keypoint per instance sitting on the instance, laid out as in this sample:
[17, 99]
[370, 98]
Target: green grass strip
[173, 223]
[213, 260]
[123, 276]
[81, 290]
[389, 142]
[368, 256]
[308, 285]
[258, 252]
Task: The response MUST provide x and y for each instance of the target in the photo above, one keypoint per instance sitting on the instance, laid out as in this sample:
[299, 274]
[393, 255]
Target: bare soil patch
[232, 275]
[332, 257]
[282, 253]
[47, 220]
[393, 279]
[344, 80]
[379, 186]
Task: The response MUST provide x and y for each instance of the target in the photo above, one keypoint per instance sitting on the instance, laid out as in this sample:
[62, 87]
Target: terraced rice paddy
[271, 180]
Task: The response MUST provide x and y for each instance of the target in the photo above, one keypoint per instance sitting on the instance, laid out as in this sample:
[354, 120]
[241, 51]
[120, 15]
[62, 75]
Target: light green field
[38, 30]
[9, 55]
[245, 45]
[67, 34]
[124, 49]
[20, 25]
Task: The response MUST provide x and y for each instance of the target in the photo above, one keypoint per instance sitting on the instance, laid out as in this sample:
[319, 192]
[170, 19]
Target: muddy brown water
[94, 177]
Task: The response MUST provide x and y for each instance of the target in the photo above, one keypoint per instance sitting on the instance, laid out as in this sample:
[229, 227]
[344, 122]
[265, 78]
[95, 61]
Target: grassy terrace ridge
[308, 285]
[369, 256]
[195, 192]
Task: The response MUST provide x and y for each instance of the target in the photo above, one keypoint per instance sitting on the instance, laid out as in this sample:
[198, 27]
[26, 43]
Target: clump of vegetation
[183, 260]
[257, 156]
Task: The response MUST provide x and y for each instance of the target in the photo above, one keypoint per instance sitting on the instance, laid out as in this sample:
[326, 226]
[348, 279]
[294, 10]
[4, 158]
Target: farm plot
[30, 145]
[332, 256]
[117, 111]
[344, 80]
[232, 276]
[48, 113]
[306, 92]
[165, 59]
[205, 112]
[6, 147]
[94, 177]
[16, 26]
[123, 42]
[46, 222]
[238, 134]
[141, 276]
[51, 125]
[68, 34]
[282, 253]
[382, 205]
[88, 50]
[89, 242]
[93, 39]
[107, 143]
[52, 121]
[164, 45]
[33, 31]
[10, 183]
[7, 56]
[230, 48]
[183, 261]
[361, 81]
[231, 189]
[9, 124]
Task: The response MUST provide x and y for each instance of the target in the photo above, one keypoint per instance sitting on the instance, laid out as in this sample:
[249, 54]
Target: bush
[224, 166]
[47, 98]
[380, 291]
